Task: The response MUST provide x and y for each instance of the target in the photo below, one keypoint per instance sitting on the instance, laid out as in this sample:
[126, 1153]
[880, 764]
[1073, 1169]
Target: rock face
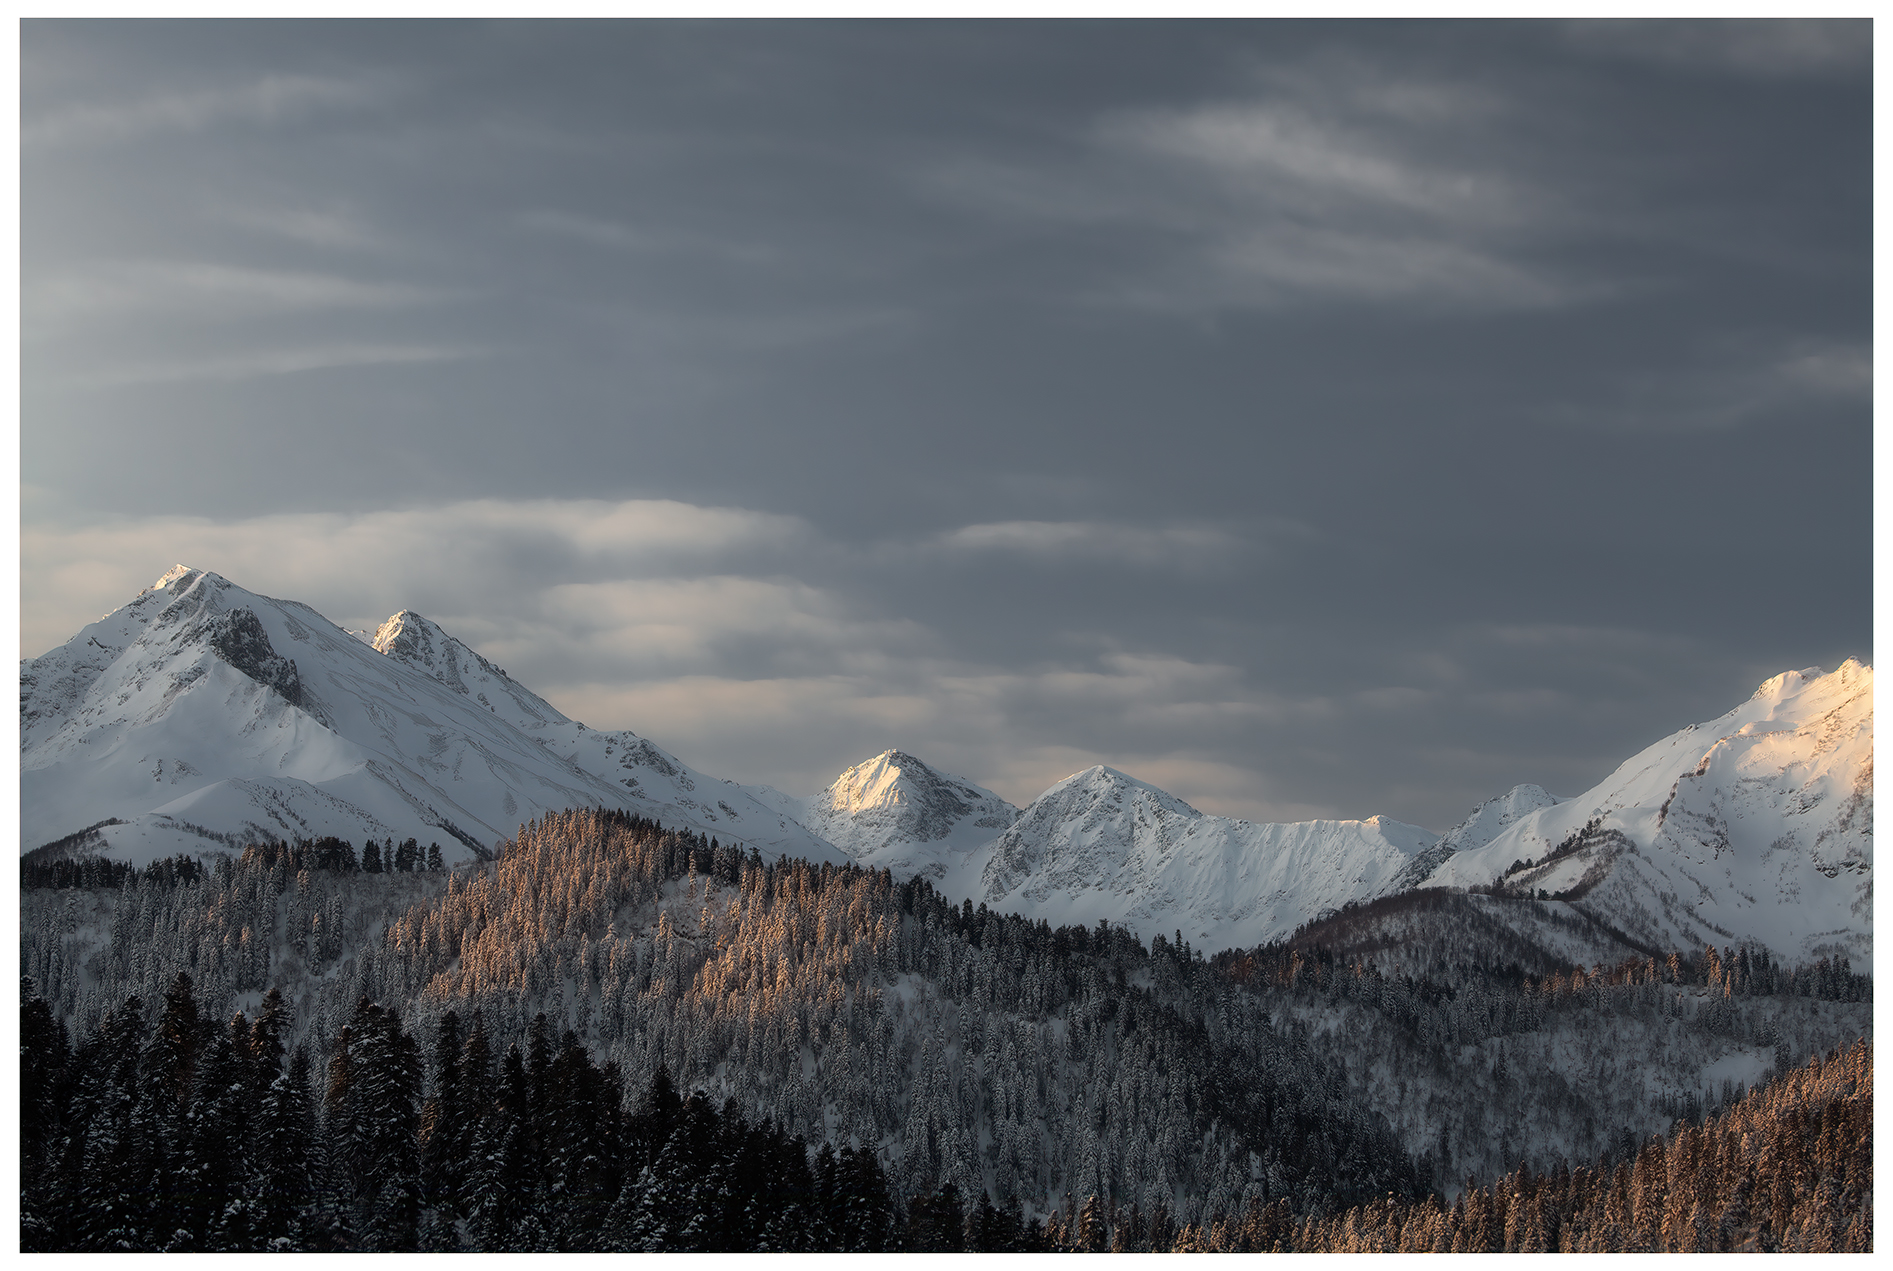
[203, 716]
[1753, 828]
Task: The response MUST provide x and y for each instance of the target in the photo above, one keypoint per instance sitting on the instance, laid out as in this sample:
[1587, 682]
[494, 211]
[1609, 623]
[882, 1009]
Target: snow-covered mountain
[895, 812]
[1103, 845]
[203, 715]
[1755, 827]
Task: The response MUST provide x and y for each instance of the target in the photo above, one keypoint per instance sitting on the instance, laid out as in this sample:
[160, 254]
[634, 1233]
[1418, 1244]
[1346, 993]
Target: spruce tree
[282, 1158]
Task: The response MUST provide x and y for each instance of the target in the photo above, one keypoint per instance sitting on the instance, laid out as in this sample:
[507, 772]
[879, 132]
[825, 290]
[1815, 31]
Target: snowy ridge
[1494, 816]
[1756, 827]
[1103, 845]
[410, 638]
[205, 716]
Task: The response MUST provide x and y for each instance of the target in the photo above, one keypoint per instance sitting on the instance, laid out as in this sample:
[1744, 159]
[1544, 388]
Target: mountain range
[201, 716]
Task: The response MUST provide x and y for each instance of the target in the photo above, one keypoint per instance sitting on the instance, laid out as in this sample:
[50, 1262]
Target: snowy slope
[1493, 817]
[203, 714]
[895, 812]
[1757, 826]
[1100, 844]
[649, 779]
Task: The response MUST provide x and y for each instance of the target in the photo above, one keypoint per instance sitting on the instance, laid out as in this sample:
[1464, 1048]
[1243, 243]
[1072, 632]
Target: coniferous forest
[619, 1037]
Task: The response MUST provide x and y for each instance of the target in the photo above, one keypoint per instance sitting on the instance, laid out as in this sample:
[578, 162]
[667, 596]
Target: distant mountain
[895, 812]
[1756, 827]
[203, 715]
[1101, 844]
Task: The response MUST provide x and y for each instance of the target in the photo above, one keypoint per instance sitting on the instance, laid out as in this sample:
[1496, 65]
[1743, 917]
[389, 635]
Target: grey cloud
[1325, 418]
[1144, 547]
[265, 362]
[265, 100]
[1768, 47]
[335, 228]
[1344, 182]
[211, 289]
[618, 235]
[1741, 382]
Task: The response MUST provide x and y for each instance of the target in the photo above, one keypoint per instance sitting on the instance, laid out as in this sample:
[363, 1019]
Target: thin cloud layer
[1342, 182]
[261, 102]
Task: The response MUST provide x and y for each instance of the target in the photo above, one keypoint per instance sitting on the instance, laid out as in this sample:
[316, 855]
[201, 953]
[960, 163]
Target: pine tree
[444, 1120]
[1092, 1234]
[282, 1160]
[123, 1185]
[217, 1217]
[45, 1053]
[384, 1127]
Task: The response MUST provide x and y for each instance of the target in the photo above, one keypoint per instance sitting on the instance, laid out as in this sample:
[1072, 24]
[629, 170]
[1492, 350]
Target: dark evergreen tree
[122, 1179]
[45, 1052]
[216, 1213]
[936, 1223]
[281, 1159]
[867, 1222]
[384, 1124]
[444, 1121]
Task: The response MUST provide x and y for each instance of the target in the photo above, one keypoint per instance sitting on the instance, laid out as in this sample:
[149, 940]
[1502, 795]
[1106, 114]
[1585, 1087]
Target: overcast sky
[1312, 420]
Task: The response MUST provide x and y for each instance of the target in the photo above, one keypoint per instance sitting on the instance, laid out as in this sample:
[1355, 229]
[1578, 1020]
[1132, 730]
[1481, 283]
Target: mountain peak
[180, 579]
[409, 636]
[420, 642]
[175, 573]
[1101, 782]
[890, 778]
[896, 802]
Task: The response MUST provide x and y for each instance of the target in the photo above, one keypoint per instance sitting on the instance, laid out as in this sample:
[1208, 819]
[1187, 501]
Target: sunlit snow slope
[201, 714]
[1757, 826]
[896, 812]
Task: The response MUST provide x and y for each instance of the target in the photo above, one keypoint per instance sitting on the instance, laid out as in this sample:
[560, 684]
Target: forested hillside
[526, 1017]
[1788, 1168]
